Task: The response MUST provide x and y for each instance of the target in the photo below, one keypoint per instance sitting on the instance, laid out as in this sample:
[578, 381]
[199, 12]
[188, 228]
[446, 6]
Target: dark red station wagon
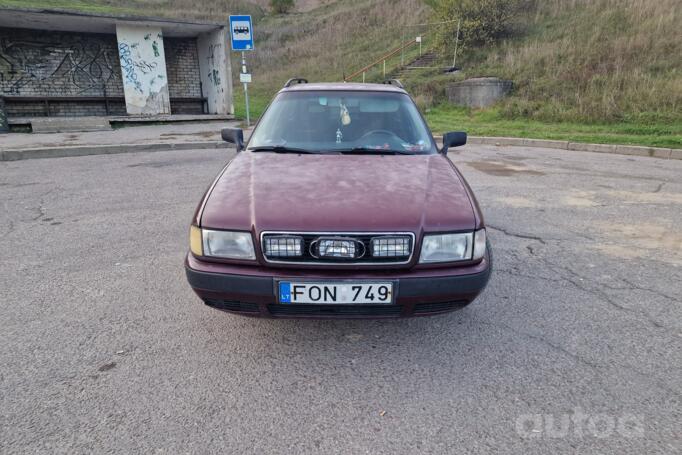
[340, 205]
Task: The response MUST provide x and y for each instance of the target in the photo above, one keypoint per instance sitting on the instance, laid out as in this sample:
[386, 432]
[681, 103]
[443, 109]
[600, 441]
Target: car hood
[335, 193]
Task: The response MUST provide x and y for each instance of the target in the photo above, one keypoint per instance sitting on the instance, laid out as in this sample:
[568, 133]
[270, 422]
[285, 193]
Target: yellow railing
[381, 60]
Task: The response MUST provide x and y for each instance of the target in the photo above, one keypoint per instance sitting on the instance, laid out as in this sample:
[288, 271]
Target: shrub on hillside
[482, 21]
[281, 6]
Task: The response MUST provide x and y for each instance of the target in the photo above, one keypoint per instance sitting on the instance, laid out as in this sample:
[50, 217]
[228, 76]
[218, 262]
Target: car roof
[346, 86]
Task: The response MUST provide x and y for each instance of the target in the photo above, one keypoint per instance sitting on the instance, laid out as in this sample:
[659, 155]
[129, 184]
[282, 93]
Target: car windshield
[342, 122]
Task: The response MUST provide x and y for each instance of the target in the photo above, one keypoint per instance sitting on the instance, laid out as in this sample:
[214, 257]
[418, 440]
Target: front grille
[311, 241]
[426, 308]
[335, 310]
[242, 307]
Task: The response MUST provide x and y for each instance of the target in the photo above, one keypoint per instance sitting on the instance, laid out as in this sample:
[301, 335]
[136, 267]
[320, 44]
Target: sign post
[245, 78]
[241, 34]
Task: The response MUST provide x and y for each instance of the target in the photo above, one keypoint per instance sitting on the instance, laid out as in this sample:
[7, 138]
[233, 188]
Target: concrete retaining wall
[478, 92]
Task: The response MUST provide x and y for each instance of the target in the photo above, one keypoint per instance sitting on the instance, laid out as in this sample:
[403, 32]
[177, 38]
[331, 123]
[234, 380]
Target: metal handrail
[382, 59]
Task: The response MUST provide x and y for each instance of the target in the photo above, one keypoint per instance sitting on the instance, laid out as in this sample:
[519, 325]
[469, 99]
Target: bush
[482, 21]
[281, 6]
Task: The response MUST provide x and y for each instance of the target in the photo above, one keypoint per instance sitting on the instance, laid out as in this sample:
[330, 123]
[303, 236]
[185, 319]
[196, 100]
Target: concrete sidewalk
[176, 133]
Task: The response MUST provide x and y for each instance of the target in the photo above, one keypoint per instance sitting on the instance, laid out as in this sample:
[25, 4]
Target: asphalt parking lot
[575, 346]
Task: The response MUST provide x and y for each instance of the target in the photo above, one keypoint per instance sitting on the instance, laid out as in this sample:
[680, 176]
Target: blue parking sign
[241, 32]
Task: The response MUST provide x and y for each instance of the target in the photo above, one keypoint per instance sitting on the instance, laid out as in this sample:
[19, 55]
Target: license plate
[336, 293]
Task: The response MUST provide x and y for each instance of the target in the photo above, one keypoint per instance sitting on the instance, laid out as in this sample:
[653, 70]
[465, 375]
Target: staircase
[427, 60]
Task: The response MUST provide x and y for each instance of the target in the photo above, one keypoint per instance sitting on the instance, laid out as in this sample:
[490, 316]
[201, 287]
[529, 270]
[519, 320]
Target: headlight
[453, 247]
[224, 244]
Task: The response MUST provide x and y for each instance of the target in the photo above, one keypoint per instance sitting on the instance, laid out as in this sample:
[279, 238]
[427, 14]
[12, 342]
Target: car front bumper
[251, 291]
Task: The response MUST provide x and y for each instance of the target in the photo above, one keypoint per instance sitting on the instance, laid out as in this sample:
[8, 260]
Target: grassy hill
[591, 60]
[213, 10]
[587, 70]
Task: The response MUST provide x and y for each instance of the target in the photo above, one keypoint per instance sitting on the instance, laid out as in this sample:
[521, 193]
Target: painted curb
[85, 150]
[633, 150]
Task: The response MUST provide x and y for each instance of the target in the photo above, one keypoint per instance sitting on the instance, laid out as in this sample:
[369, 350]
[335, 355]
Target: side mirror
[233, 136]
[453, 139]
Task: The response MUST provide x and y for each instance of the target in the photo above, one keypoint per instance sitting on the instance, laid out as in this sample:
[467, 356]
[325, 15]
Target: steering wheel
[397, 141]
[383, 132]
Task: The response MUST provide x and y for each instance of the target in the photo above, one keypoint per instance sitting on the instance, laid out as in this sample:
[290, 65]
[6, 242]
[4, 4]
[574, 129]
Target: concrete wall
[64, 109]
[478, 92]
[182, 67]
[215, 70]
[36, 63]
[4, 126]
[143, 67]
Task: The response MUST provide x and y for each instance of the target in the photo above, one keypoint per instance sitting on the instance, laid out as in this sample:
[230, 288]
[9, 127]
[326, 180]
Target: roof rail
[295, 80]
[395, 82]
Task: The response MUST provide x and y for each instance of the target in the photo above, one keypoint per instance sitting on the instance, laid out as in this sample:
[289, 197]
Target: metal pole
[402, 51]
[384, 69]
[246, 97]
[246, 91]
[454, 59]
[363, 77]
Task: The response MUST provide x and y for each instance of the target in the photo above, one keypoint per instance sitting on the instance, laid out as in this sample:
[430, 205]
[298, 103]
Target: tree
[281, 6]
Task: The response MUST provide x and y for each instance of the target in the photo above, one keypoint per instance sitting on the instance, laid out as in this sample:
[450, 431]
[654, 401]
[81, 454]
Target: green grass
[589, 61]
[73, 5]
[492, 122]
[258, 101]
[210, 10]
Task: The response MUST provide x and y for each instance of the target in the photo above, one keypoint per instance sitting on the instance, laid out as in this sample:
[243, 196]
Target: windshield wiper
[360, 150]
[279, 149]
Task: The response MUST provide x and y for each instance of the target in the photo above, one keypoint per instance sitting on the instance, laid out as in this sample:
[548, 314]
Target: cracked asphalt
[574, 347]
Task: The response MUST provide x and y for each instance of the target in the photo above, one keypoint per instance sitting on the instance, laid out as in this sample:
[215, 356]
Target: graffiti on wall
[59, 66]
[143, 68]
[215, 72]
[131, 68]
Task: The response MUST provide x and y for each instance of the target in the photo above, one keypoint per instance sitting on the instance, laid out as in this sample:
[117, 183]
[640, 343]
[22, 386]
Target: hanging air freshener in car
[345, 116]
